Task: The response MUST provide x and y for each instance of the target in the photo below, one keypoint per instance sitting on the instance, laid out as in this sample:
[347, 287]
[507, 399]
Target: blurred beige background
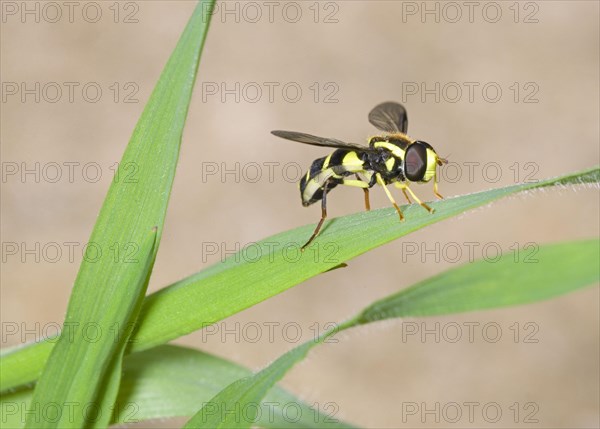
[357, 54]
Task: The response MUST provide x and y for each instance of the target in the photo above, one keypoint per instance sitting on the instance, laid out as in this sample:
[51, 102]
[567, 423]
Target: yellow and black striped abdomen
[331, 169]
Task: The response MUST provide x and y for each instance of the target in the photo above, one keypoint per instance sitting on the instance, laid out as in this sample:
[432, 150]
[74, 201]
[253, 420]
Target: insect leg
[404, 186]
[323, 216]
[389, 195]
[440, 162]
[366, 189]
[358, 184]
[398, 185]
[435, 188]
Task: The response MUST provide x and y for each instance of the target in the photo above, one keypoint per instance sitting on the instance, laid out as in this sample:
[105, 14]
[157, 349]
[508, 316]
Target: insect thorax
[388, 158]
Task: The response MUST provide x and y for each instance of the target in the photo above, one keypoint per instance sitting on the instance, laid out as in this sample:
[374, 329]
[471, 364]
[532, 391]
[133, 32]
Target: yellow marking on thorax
[395, 150]
[389, 164]
[352, 160]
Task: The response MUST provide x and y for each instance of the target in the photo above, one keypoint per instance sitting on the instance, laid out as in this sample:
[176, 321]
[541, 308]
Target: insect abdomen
[332, 168]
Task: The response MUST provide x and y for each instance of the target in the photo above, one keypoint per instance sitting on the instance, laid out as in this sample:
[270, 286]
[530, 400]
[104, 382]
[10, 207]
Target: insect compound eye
[415, 162]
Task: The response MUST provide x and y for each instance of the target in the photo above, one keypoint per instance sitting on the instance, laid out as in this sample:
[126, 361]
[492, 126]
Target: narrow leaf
[238, 283]
[560, 268]
[170, 381]
[81, 376]
[514, 279]
[87, 390]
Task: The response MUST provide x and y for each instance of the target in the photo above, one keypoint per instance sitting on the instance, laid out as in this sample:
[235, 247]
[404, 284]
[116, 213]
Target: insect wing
[317, 141]
[390, 117]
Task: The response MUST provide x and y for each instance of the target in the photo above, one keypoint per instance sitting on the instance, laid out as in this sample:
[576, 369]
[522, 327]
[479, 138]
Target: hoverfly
[390, 158]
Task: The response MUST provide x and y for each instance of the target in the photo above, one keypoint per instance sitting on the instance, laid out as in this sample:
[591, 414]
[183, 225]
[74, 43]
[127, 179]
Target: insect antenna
[441, 161]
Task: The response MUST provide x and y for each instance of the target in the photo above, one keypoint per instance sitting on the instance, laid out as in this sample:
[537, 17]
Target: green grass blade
[244, 393]
[81, 375]
[169, 381]
[239, 283]
[109, 388]
[561, 268]
[554, 270]
[512, 280]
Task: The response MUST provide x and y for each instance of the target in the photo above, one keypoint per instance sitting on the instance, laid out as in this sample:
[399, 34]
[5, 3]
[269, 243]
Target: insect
[392, 158]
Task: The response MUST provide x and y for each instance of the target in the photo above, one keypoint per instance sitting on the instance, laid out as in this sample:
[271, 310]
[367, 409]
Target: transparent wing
[390, 117]
[317, 141]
